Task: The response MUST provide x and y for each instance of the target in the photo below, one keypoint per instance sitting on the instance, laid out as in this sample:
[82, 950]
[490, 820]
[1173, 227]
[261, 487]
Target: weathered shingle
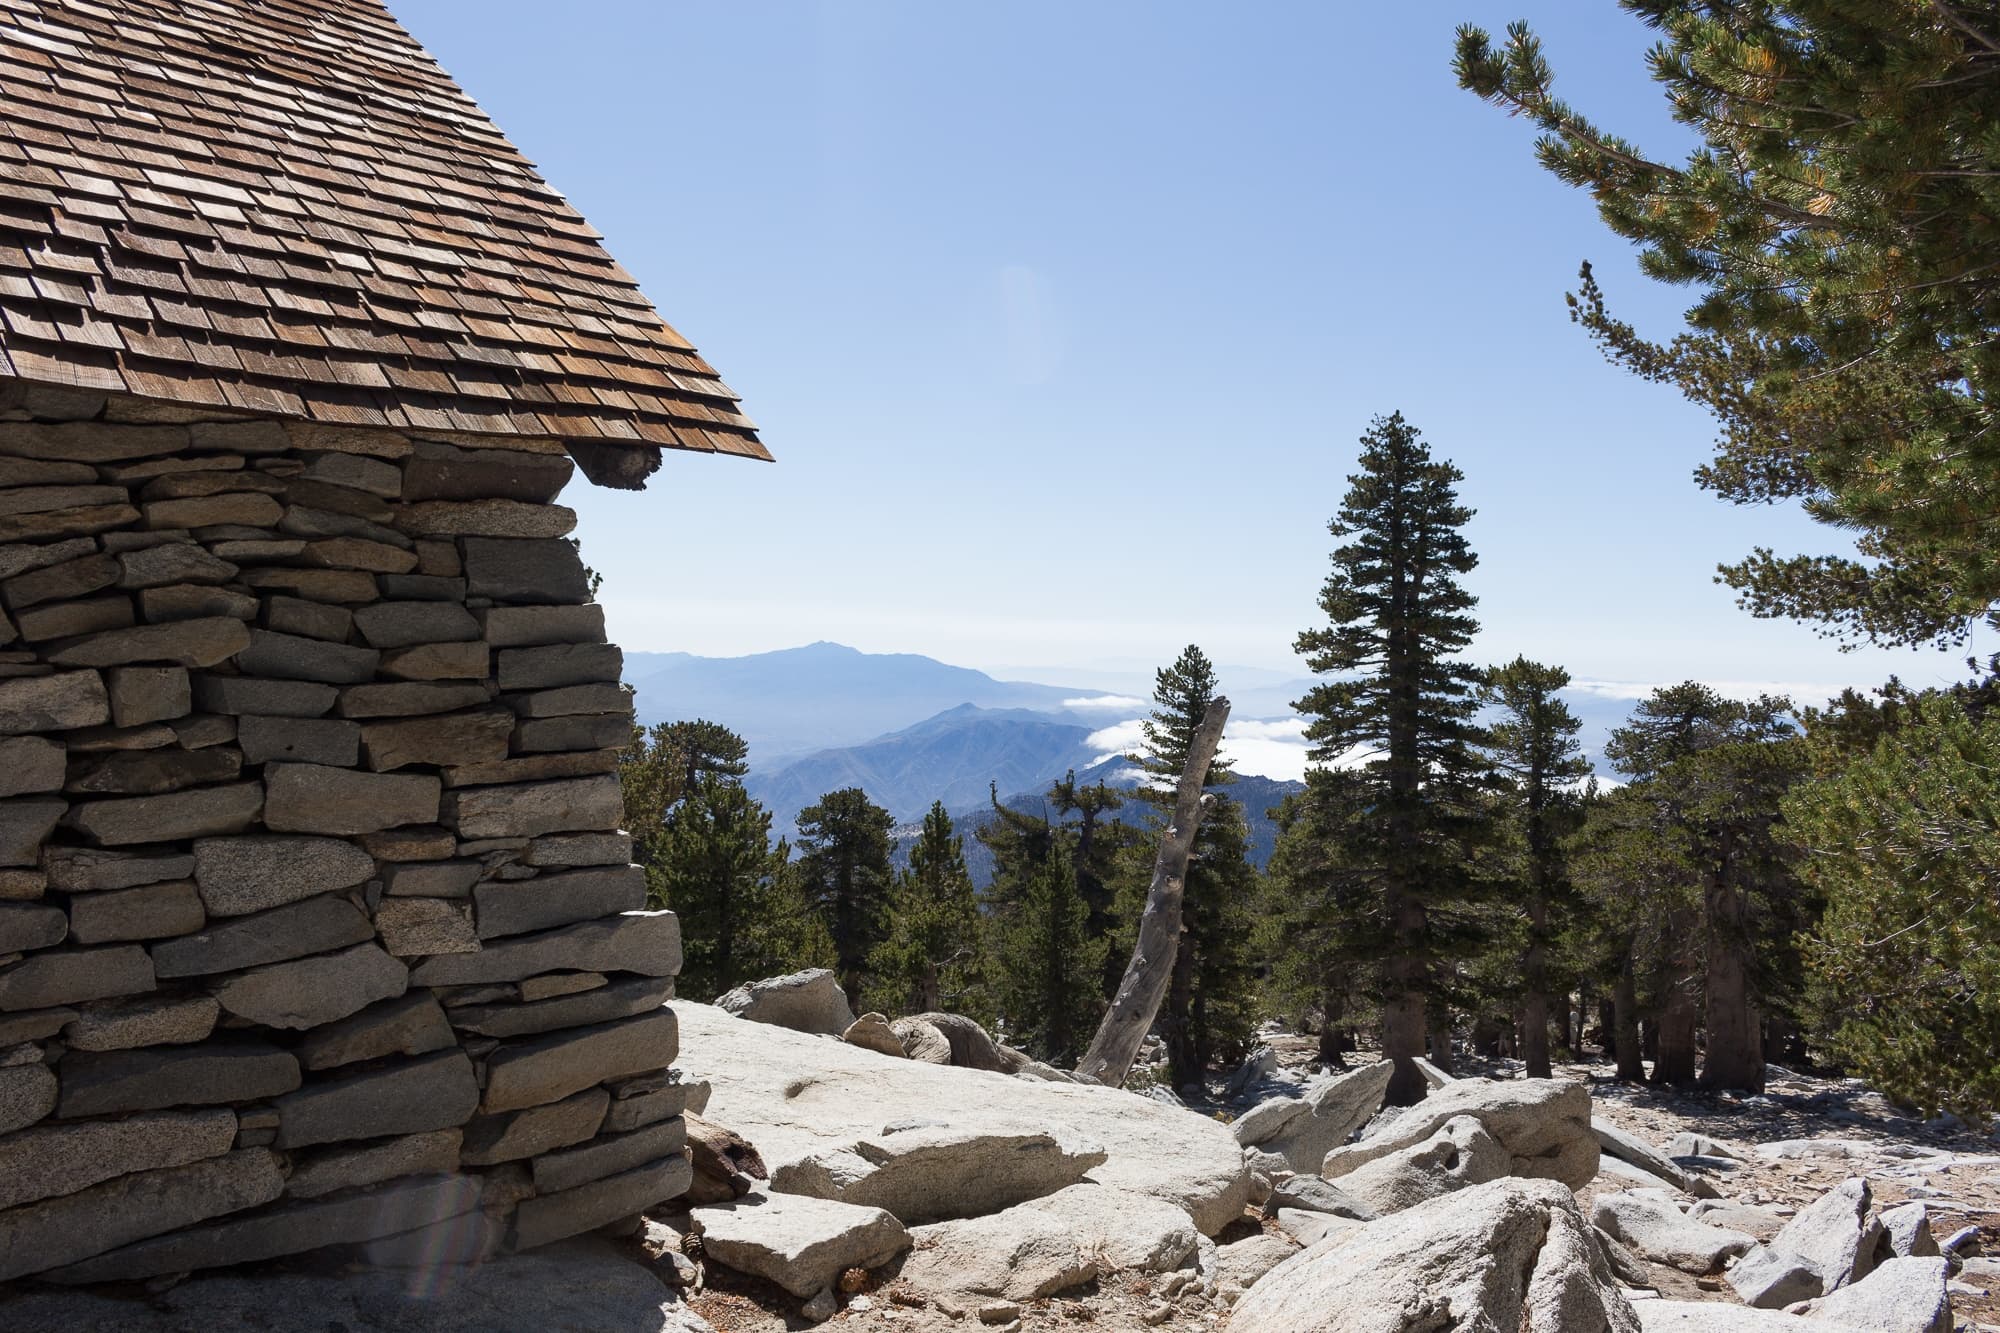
[286, 206]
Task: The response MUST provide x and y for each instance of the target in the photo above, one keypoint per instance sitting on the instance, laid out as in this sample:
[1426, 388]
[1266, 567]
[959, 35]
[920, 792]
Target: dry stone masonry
[316, 925]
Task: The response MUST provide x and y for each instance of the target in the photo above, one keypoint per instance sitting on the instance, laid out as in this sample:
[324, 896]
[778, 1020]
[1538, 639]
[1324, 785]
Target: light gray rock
[525, 570]
[149, 912]
[1305, 1129]
[320, 1173]
[288, 1228]
[1717, 1317]
[1461, 1153]
[203, 812]
[1762, 1223]
[527, 810]
[55, 1158]
[1509, 1256]
[808, 1001]
[316, 798]
[74, 1227]
[922, 1041]
[519, 1135]
[312, 925]
[1659, 1231]
[1901, 1296]
[802, 1244]
[872, 1032]
[1908, 1229]
[648, 943]
[930, 1170]
[1020, 1254]
[402, 624]
[607, 1155]
[436, 1091]
[645, 1108]
[27, 1094]
[562, 850]
[1630, 1148]
[73, 976]
[547, 901]
[156, 1078]
[432, 879]
[1770, 1280]
[794, 1094]
[1120, 1231]
[242, 875]
[307, 992]
[1312, 1194]
[1835, 1235]
[412, 1024]
[1689, 1144]
[547, 1069]
[551, 1217]
[1544, 1124]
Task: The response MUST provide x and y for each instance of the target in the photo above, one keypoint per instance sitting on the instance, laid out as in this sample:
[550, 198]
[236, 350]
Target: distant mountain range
[910, 730]
[821, 696]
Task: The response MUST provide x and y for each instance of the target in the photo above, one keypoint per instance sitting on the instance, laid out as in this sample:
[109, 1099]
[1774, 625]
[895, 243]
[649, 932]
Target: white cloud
[1265, 747]
[1800, 692]
[1123, 703]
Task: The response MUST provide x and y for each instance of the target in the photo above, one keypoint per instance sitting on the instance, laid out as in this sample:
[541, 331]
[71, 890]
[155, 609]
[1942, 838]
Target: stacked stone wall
[316, 925]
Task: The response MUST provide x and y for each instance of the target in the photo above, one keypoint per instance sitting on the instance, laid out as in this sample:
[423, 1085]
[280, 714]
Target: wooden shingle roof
[287, 207]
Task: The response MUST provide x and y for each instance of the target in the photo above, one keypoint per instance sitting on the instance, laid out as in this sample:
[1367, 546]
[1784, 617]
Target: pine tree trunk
[1675, 1063]
[1403, 1040]
[1440, 1045]
[1535, 1034]
[1144, 985]
[1624, 1027]
[1177, 1019]
[1332, 1039]
[1735, 1037]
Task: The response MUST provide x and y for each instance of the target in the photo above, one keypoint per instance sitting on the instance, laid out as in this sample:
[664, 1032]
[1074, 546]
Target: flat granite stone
[299, 740]
[438, 661]
[308, 992]
[519, 1135]
[121, 1025]
[552, 1217]
[410, 698]
[30, 764]
[216, 1074]
[148, 694]
[571, 805]
[319, 1173]
[444, 472]
[531, 626]
[25, 824]
[56, 1159]
[436, 1091]
[27, 1094]
[62, 620]
[72, 976]
[609, 1154]
[288, 1228]
[252, 874]
[316, 798]
[412, 1024]
[403, 624]
[525, 570]
[453, 738]
[645, 1108]
[533, 1073]
[152, 772]
[148, 912]
[572, 701]
[53, 703]
[421, 927]
[579, 849]
[25, 926]
[268, 698]
[292, 615]
[516, 907]
[532, 768]
[432, 879]
[74, 1227]
[202, 812]
[571, 732]
[313, 925]
[648, 943]
[559, 664]
[295, 657]
[88, 869]
[188, 643]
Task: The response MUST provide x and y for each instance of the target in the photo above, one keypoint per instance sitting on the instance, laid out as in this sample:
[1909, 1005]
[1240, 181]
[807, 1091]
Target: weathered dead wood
[725, 1163]
[1125, 1024]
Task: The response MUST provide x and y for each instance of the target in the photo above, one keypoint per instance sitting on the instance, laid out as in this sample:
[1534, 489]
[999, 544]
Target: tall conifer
[843, 872]
[1398, 702]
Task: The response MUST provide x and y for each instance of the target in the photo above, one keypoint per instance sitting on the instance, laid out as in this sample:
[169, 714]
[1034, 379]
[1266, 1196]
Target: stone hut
[316, 923]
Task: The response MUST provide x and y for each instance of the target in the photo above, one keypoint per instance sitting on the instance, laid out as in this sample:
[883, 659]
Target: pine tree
[1534, 745]
[1837, 220]
[1397, 618]
[934, 956]
[1209, 999]
[713, 864]
[1098, 845]
[1050, 965]
[662, 766]
[1712, 772]
[843, 873]
[1904, 841]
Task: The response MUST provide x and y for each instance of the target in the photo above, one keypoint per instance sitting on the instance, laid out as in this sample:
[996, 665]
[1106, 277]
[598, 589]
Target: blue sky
[1062, 321]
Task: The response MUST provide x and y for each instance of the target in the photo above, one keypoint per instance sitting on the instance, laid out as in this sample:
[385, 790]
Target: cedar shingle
[287, 207]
